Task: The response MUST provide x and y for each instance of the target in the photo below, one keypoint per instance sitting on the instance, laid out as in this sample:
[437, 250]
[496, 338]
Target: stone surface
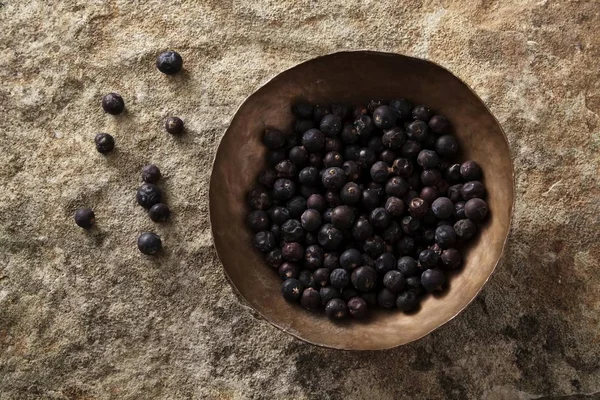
[85, 316]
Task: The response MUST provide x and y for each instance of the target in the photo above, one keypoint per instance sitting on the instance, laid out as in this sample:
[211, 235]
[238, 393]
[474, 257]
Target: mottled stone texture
[85, 316]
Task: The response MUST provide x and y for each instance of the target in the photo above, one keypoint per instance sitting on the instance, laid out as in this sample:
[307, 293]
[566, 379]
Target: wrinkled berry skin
[394, 206]
[476, 210]
[85, 218]
[471, 190]
[148, 195]
[105, 143]
[407, 301]
[283, 189]
[445, 236]
[151, 173]
[364, 279]
[465, 229]
[160, 212]
[310, 300]
[113, 103]
[339, 278]
[292, 231]
[174, 125]
[149, 243]
[408, 266]
[429, 258]
[292, 289]
[358, 308]
[422, 113]
[265, 241]
[169, 62]
[433, 280]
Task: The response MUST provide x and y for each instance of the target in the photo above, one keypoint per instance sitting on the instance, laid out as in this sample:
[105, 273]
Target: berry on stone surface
[170, 62]
[105, 143]
[85, 218]
[113, 103]
[149, 194]
[149, 243]
[160, 212]
[174, 125]
[151, 173]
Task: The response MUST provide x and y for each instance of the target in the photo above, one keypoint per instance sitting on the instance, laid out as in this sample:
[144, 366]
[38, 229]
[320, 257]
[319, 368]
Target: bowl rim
[256, 312]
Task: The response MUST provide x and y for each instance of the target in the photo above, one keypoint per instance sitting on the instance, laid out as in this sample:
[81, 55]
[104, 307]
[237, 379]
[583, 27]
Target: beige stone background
[85, 316]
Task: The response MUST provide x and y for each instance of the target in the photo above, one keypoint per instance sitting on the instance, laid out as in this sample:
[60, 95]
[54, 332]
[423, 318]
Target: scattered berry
[105, 143]
[174, 125]
[113, 103]
[85, 218]
[169, 62]
[149, 243]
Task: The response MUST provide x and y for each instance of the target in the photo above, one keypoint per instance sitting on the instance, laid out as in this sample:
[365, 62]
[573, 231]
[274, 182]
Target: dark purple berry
[296, 206]
[439, 125]
[331, 125]
[149, 243]
[407, 301]
[442, 208]
[311, 220]
[384, 117]
[452, 173]
[380, 218]
[396, 187]
[431, 177]
[357, 307]
[451, 259]
[417, 130]
[326, 215]
[321, 276]
[392, 233]
[476, 210]
[298, 156]
[433, 280]
[394, 206]
[310, 300]
[288, 270]
[454, 192]
[446, 146]
[330, 238]
[428, 159]
[309, 176]
[334, 178]
[351, 259]
[351, 193]
[342, 217]
[174, 125]
[428, 258]
[364, 278]
[349, 135]
[410, 149]
[429, 194]
[160, 213]
[385, 263]
[267, 177]
[470, 171]
[366, 158]
[422, 113]
[339, 278]
[279, 214]
[336, 309]
[105, 143]
[313, 140]
[169, 62]
[285, 169]
[313, 257]
[374, 246]
[333, 159]
[283, 189]
[362, 229]
[265, 241]
[328, 293]
[471, 190]
[386, 298]
[413, 283]
[292, 231]
[85, 218]
[317, 202]
[149, 194]
[333, 198]
[113, 103]
[387, 156]
[445, 236]
[364, 126]
[379, 172]
[374, 104]
[408, 266]
[331, 261]
[274, 258]
[333, 144]
[394, 281]
[292, 289]
[292, 252]
[465, 229]
[276, 230]
[418, 208]
[151, 173]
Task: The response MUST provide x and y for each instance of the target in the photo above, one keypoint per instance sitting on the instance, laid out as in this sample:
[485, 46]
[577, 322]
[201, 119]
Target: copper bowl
[355, 78]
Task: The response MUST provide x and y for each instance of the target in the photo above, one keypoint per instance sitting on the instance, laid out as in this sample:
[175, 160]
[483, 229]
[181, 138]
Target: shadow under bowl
[355, 78]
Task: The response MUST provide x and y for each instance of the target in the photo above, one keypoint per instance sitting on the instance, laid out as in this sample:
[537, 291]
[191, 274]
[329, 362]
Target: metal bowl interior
[355, 78]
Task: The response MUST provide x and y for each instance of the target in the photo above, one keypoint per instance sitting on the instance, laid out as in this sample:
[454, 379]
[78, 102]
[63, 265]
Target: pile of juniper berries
[363, 207]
